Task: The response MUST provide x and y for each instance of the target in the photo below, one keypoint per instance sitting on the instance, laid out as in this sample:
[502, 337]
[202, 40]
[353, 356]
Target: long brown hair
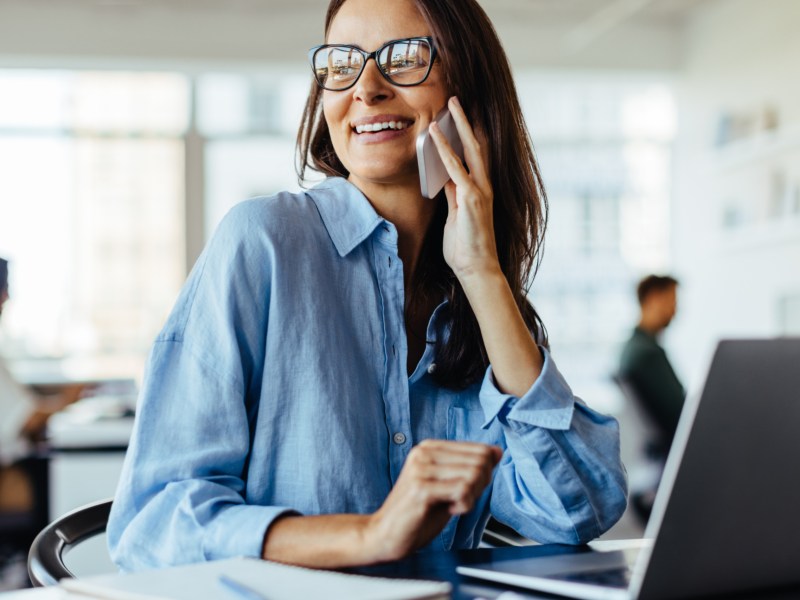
[476, 70]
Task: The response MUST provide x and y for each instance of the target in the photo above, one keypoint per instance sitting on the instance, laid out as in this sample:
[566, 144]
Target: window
[91, 208]
[249, 125]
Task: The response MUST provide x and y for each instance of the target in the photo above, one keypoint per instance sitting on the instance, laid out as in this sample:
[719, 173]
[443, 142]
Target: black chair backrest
[46, 557]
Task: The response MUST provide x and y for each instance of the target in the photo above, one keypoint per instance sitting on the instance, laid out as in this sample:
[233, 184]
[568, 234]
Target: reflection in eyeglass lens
[343, 64]
[404, 62]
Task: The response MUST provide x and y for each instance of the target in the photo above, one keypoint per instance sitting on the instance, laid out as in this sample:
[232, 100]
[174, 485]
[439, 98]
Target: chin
[385, 174]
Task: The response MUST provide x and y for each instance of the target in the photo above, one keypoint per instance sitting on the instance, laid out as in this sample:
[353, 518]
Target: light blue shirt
[279, 384]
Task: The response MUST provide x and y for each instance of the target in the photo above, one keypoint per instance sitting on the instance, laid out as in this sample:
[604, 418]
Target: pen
[240, 589]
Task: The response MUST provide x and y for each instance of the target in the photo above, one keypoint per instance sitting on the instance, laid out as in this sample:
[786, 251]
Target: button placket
[396, 392]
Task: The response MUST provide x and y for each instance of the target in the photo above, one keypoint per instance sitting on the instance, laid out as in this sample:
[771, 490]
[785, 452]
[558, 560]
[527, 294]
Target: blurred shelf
[762, 235]
[764, 146]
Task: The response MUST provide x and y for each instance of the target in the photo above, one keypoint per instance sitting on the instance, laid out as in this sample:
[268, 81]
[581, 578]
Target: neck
[411, 214]
[649, 326]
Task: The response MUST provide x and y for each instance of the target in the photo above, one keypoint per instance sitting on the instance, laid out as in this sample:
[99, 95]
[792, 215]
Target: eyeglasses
[403, 62]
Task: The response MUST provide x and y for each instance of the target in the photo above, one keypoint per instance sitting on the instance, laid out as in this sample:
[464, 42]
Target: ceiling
[549, 33]
[672, 11]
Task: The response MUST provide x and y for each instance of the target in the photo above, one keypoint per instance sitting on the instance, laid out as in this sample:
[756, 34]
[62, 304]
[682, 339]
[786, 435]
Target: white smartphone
[432, 173]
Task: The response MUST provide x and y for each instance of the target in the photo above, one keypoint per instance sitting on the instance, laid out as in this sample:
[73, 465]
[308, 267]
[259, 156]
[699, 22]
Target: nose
[371, 87]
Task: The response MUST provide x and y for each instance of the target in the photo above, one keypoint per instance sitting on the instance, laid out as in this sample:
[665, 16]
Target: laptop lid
[727, 515]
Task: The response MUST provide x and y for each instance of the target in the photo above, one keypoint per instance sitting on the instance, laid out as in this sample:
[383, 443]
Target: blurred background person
[648, 379]
[23, 417]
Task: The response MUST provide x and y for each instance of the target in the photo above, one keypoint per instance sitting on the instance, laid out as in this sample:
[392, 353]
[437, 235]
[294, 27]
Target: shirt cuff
[240, 530]
[549, 402]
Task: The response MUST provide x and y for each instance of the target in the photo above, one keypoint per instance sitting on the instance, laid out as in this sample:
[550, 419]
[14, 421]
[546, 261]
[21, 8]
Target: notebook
[727, 513]
[250, 579]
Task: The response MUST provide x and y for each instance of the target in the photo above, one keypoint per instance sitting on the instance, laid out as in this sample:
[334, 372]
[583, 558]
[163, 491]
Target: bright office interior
[668, 134]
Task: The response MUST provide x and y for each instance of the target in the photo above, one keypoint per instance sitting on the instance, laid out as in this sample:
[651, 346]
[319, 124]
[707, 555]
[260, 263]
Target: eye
[405, 56]
[342, 63]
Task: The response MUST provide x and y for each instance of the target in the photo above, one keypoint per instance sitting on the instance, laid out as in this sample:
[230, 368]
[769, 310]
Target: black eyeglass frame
[312, 54]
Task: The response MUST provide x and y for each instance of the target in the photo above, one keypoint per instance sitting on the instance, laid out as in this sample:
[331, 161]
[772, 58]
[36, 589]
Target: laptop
[727, 513]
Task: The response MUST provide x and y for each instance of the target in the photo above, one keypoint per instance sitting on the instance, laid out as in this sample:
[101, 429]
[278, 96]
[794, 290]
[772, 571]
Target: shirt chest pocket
[464, 423]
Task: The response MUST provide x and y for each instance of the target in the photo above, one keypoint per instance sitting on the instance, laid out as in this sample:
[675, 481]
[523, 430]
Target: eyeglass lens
[404, 62]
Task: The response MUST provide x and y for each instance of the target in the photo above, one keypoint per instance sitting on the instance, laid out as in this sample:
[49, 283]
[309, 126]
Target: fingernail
[454, 100]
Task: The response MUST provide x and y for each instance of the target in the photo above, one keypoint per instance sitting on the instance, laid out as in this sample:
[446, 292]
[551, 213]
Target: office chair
[46, 557]
[645, 468]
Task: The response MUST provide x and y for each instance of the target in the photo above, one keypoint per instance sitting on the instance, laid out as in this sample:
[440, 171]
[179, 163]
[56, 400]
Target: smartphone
[432, 173]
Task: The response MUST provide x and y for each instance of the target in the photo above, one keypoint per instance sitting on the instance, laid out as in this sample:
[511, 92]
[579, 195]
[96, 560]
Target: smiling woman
[354, 373]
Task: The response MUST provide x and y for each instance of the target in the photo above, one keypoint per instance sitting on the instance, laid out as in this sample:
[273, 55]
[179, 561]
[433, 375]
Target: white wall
[742, 57]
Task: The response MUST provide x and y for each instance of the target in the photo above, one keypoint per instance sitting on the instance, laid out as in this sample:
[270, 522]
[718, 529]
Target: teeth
[381, 126]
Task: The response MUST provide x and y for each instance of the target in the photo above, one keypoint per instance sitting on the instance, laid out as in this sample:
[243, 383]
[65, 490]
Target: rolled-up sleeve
[561, 478]
[181, 494]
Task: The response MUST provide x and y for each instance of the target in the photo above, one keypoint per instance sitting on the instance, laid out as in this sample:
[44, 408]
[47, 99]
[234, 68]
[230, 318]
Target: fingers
[455, 473]
[450, 160]
[439, 479]
[445, 448]
[475, 152]
[474, 179]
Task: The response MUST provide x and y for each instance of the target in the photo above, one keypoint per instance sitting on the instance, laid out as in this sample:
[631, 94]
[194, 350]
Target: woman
[300, 404]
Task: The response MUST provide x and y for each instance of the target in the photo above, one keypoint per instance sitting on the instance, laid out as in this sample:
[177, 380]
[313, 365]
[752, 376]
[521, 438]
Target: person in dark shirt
[644, 365]
[648, 378]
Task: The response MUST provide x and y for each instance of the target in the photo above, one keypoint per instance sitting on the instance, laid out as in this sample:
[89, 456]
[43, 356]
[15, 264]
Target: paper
[273, 581]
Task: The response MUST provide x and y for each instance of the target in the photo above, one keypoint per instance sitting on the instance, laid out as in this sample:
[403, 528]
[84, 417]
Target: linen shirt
[279, 384]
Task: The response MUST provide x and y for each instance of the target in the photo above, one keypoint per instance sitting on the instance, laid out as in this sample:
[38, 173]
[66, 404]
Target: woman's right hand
[439, 479]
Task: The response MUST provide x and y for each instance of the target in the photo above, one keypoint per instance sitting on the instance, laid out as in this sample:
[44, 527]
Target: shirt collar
[650, 336]
[347, 214]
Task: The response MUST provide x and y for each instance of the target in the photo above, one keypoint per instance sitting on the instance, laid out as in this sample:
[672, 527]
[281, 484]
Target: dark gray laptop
[727, 515]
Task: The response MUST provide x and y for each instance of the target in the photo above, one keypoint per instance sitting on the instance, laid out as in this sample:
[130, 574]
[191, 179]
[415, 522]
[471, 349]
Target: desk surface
[441, 566]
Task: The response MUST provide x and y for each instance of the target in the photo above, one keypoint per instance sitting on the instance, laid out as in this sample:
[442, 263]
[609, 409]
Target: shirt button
[399, 438]
[431, 368]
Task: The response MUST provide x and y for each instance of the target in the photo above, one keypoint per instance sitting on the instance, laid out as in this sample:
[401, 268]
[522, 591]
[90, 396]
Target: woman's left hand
[469, 242]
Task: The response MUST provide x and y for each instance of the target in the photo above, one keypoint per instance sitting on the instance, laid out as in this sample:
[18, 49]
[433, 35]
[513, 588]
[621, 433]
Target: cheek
[334, 113]
[334, 108]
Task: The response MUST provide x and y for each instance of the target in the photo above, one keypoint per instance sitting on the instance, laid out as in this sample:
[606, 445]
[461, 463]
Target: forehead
[668, 293]
[371, 23]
